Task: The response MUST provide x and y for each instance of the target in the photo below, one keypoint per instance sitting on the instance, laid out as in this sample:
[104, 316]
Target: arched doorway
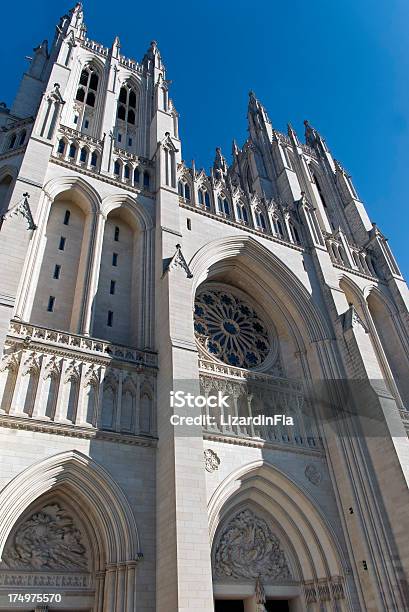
[67, 528]
[51, 551]
[271, 548]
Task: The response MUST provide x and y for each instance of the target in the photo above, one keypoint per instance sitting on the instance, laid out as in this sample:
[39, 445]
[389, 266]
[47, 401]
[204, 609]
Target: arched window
[22, 138]
[94, 159]
[242, 215]
[83, 155]
[294, 233]
[277, 227]
[61, 146]
[127, 172]
[87, 96]
[207, 200]
[223, 206]
[12, 141]
[127, 104]
[88, 86]
[260, 220]
[320, 191]
[146, 180]
[117, 168]
[184, 190]
[72, 151]
[136, 176]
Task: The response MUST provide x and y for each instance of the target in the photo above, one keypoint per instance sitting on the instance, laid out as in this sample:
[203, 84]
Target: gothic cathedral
[126, 276]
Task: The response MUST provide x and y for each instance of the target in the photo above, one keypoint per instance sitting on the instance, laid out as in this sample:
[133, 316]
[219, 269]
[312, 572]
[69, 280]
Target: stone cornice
[74, 431]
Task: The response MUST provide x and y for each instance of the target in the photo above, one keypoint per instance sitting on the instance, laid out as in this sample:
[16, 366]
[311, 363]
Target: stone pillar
[184, 580]
[94, 267]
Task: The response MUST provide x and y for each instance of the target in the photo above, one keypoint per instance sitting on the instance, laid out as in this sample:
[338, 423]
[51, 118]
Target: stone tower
[127, 275]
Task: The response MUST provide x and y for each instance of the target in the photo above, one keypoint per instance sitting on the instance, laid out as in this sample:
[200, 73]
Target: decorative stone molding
[47, 540]
[351, 319]
[313, 474]
[212, 460]
[32, 579]
[178, 261]
[247, 548]
[22, 209]
[324, 590]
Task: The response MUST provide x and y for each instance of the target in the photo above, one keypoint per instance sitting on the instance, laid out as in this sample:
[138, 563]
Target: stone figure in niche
[248, 549]
[47, 540]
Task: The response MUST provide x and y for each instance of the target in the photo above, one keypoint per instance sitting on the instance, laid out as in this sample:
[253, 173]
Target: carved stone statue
[248, 549]
[47, 540]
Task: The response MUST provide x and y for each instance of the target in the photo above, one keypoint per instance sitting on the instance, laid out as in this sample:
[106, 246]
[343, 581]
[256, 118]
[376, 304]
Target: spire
[152, 58]
[256, 108]
[234, 148]
[311, 135]
[220, 165]
[292, 134]
[115, 47]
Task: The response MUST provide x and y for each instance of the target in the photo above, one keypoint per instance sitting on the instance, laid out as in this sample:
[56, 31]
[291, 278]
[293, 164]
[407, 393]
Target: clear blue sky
[343, 65]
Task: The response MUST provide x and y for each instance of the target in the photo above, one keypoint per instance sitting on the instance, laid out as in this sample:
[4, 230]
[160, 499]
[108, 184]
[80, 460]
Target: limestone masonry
[126, 275]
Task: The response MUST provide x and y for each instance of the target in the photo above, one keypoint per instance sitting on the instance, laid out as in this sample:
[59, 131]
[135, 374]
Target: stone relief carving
[313, 474]
[47, 540]
[247, 548]
[212, 461]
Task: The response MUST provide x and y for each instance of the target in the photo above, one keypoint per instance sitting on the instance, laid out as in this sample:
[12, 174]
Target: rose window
[228, 327]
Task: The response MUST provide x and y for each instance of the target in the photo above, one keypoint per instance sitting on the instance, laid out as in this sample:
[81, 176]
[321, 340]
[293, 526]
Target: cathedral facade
[130, 283]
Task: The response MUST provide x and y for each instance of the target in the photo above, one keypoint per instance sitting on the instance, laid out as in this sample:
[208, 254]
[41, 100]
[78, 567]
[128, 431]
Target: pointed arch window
[294, 232]
[88, 86]
[184, 190]
[242, 214]
[203, 198]
[61, 146]
[83, 155]
[22, 138]
[260, 220]
[223, 206]
[277, 227]
[319, 189]
[127, 104]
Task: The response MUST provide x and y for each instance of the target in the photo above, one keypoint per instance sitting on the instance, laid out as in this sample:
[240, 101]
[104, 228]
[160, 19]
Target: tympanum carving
[247, 548]
[47, 540]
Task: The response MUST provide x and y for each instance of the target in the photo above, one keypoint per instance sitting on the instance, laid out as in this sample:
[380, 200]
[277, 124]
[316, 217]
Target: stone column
[94, 267]
[184, 580]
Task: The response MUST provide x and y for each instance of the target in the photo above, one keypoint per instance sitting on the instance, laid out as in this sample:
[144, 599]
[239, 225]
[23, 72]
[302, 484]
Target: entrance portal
[229, 605]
